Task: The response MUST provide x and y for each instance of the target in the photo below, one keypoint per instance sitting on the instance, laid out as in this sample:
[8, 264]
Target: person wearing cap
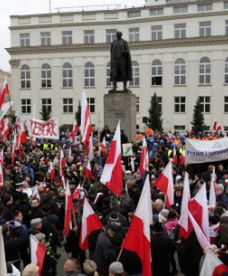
[36, 226]
[116, 269]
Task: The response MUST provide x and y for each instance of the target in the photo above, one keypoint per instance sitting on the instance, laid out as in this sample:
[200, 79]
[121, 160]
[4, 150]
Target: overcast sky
[10, 7]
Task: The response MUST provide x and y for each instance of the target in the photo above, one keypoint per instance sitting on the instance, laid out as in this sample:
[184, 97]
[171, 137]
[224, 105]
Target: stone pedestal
[121, 106]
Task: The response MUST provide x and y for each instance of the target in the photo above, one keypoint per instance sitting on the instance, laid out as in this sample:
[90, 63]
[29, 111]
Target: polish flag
[90, 223]
[52, 171]
[202, 239]
[212, 196]
[63, 182]
[76, 193]
[88, 171]
[175, 158]
[165, 184]
[69, 208]
[6, 128]
[184, 219]
[212, 266]
[219, 127]
[215, 125]
[14, 148]
[199, 210]
[144, 159]
[4, 92]
[1, 157]
[62, 163]
[103, 146]
[37, 253]
[139, 230]
[112, 172]
[86, 126]
[74, 131]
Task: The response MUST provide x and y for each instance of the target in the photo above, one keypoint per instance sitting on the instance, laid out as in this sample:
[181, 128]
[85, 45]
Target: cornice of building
[121, 22]
[140, 45]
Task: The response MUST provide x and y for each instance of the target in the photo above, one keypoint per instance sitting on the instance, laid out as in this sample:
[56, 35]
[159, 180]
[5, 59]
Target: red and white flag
[88, 170]
[199, 210]
[37, 253]
[74, 131]
[212, 266]
[103, 146]
[6, 128]
[90, 223]
[62, 163]
[184, 219]
[1, 157]
[175, 158]
[217, 126]
[144, 158]
[139, 230]
[69, 208]
[52, 171]
[212, 195]
[86, 126]
[165, 184]
[14, 148]
[4, 92]
[112, 172]
[76, 193]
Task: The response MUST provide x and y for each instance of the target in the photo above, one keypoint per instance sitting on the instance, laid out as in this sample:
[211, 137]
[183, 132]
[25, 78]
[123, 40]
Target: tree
[78, 114]
[154, 120]
[198, 124]
[45, 113]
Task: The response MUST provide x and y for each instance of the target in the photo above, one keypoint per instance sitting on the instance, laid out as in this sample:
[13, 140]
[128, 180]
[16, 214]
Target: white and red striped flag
[4, 92]
[86, 126]
[90, 223]
[212, 195]
[175, 158]
[62, 163]
[88, 170]
[6, 128]
[184, 219]
[139, 230]
[74, 131]
[103, 146]
[212, 266]
[69, 208]
[52, 171]
[37, 253]
[165, 184]
[217, 126]
[144, 158]
[1, 157]
[112, 172]
[76, 193]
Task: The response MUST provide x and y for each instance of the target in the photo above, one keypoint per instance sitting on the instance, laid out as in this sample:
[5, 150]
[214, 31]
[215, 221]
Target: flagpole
[121, 251]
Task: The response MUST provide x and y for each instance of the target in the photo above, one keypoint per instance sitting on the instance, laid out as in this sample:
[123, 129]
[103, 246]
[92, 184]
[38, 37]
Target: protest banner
[44, 129]
[199, 151]
[127, 149]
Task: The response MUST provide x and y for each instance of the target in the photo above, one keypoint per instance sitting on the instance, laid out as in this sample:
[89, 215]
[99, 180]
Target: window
[180, 30]
[156, 11]
[204, 7]
[67, 75]
[45, 38]
[110, 35]
[179, 104]
[225, 128]
[135, 74]
[137, 127]
[134, 13]
[67, 37]
[89, 75]
[205, 103]
[89, 37]
[226, 5]
[180, 9]
[25, 106]
[156, 72]
[91, 104]
[179, 128]
[205, 71]
[180, 72]
[25, 40]
[204, 28]
[226, 71]
[226, 104]
[133, 34]
[137, 104]
[156, 32]
[46, 76]
[108, 72]
[46, 103]
[67, 105]
[226, 27]
[25, 76]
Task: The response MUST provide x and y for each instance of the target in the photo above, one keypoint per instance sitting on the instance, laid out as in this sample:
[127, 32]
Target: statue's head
[119, 35]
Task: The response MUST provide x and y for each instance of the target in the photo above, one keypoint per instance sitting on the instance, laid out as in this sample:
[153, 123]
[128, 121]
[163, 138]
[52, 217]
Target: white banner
[199, 151]
[44, 129]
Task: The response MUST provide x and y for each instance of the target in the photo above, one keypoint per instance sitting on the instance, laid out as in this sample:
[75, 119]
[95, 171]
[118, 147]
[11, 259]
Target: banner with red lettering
[44, 129]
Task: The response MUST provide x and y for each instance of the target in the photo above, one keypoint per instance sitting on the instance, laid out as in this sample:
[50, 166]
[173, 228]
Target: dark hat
[157, 227]
[114, 226]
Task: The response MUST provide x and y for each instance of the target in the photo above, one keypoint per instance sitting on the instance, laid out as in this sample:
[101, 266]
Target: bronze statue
[120, 62]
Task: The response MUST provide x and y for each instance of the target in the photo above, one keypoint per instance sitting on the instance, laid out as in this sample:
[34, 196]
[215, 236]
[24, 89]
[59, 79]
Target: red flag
[112, 172]
[4, 92]
[90, 223]
[103, 146]
[144, 159]
[6, 128]
[52, 171]
[69, 208]
[37, 253]
[86, 126]
[62, 163]
[74, 131]
[175, 158]
[212, 265]
[88, 171]
[76, 193]
[215, 125]
[139, 230]
[165, 184]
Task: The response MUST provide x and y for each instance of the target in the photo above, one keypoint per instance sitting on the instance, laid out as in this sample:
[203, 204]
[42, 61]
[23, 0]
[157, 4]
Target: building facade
[179, 50]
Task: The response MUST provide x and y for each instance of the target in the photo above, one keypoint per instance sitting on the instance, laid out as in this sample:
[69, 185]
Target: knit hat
[116, 267]
[35, 221]
[89, 266]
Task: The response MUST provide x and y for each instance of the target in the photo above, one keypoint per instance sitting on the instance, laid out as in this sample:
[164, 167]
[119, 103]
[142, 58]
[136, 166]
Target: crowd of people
[32, 203]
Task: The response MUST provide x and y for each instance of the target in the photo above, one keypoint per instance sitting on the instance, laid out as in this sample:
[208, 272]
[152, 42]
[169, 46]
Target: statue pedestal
[120, 105]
